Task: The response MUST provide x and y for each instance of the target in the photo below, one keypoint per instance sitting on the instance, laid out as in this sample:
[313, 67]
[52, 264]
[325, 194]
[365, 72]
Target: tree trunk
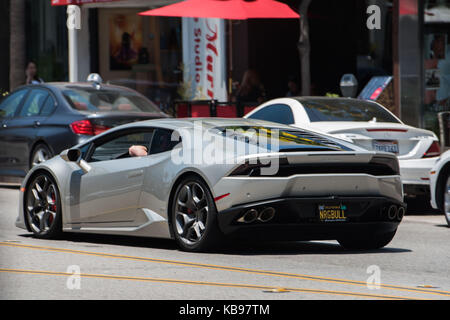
[17, 44]
[304, 48]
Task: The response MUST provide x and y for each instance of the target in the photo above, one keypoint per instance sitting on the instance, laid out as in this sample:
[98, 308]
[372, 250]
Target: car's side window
[48, 107]
[11, 103]
[85, 150]
[280, 113]
[164, 140]
[118, 147]
[34, 103]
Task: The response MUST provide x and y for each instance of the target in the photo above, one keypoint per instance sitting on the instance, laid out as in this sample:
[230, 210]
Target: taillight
[87, 128]
[83, 127]
[433, 151]
[100, 129]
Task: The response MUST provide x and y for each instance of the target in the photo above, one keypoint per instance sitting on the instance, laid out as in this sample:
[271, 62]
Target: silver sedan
[201, 181]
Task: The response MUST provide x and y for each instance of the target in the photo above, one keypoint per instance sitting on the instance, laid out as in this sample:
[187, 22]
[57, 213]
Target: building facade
[155, 56]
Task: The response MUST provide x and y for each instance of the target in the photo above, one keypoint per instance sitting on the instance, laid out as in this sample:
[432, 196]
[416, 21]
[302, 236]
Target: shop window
[141, 52]
[436, 62]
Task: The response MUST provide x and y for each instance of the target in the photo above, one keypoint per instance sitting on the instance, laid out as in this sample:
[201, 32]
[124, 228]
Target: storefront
[436, 62]
[163, 58]
[423, 67]
[159, 56]
[127, 49]
[168, 58]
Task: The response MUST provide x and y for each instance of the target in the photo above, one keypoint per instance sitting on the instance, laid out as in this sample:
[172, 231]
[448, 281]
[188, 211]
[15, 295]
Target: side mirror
[71, 155]
[74, 155]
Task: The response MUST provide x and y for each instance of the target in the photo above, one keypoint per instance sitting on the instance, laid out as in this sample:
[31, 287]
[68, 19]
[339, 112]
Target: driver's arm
[138, 151]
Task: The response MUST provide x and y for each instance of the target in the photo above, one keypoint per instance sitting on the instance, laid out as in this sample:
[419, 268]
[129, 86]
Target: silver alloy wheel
[41, 204]
[447, 200]
[191, 212]
[39, 156]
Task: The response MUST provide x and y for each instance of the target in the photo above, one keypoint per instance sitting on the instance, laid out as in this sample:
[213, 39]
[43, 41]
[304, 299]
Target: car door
[9, 151]
[278, 112]
[22, 129]
[108, 195]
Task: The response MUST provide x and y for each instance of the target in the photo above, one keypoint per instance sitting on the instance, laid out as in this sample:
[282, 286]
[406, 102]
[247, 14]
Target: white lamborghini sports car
[301, 185]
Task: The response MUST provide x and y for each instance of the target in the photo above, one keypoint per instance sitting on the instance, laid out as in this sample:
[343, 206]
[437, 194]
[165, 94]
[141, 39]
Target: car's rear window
[287, 140]
[342, 110]
[106, 100]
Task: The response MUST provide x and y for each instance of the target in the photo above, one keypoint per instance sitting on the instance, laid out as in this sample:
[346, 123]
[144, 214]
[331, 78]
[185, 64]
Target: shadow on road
[246, 248]
[298, 247]
[10, 186]
[97, 240]
[420, 206]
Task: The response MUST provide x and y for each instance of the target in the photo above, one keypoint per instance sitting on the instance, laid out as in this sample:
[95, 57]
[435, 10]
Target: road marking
[227, 268]
[206, 283]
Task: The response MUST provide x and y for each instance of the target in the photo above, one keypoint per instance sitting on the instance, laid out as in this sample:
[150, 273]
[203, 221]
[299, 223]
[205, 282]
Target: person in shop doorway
[251, 89]
[31, 72]
[292, 87]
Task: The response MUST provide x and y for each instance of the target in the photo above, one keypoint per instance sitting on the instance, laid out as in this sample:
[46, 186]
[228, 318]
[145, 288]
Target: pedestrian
[251, 89]
[293, 87]
[31, 72]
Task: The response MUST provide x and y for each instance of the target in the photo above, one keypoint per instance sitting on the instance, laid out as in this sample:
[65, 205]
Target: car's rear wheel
[43, 207]
[41, 153]
[194, 216]
[446, 198]
[367, 241]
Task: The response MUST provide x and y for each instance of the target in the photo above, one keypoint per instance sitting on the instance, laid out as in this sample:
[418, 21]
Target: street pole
[73, 24]
[17, 45]
[304, 48]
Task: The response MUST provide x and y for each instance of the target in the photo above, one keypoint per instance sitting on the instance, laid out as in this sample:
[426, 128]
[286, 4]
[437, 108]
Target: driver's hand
[138, 151]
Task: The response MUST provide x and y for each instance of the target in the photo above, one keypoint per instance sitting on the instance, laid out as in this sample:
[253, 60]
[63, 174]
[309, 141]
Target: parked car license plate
[332, 213]
[386, 145]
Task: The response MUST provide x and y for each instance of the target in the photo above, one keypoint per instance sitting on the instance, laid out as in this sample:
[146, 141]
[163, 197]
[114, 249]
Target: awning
[231, 9]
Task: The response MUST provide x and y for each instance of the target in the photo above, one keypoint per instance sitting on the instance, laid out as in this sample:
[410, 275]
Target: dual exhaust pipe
[267, 214]
[253, 215]
[395, 213]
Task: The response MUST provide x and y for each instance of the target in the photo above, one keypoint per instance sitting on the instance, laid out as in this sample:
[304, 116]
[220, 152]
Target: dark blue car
[39, 121]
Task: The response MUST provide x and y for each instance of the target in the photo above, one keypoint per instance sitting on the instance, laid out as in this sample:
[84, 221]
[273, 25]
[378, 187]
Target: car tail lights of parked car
[433, 151]
[87, 128]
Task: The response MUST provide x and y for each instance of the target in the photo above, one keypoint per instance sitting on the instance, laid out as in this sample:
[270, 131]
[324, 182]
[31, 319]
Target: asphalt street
[415, 265]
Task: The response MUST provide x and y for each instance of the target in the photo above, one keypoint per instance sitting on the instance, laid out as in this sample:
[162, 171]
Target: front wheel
[446, 198]
[194, 216]
[43, 207]
[370, 241]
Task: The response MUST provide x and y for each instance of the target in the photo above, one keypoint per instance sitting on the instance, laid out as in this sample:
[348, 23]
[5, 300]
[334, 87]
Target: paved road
[415, 265]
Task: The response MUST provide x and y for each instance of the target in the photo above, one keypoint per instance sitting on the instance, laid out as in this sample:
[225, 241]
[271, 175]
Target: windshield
[106, 100]
[342, 110]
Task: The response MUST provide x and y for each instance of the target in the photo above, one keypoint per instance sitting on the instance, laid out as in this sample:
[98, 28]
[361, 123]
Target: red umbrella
[226, 9]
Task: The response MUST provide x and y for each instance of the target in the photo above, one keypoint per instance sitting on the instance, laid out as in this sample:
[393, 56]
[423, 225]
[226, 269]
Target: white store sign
[204, 57]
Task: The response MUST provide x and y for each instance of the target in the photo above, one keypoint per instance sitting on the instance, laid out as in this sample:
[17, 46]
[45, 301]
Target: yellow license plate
[331, 213]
